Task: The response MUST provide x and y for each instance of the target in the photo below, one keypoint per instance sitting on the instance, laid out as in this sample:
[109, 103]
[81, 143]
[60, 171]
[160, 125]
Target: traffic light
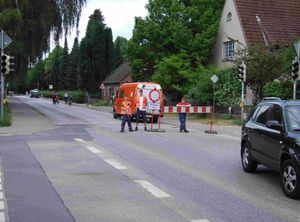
[295, 70]
[240, 71]
[7, 64]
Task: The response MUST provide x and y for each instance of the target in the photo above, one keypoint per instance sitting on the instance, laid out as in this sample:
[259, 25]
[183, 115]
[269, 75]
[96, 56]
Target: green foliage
[73, 72]
[97, 53]
[30, 24]
[6, 121]
[64, 68]
[202, 90]
[228, 88]
[121, 46]
[53, 67]
[173, 27]
[77, 96]
[35, 75]
[263, 66]
[227, 91]
[174, 74]
[282, 89]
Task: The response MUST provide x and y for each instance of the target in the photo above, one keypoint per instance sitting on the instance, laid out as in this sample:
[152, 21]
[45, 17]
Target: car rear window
[262, 114]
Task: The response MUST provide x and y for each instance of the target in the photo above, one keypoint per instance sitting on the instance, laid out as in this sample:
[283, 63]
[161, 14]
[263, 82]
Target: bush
[282, 89]
[6, 117]
[77, 96]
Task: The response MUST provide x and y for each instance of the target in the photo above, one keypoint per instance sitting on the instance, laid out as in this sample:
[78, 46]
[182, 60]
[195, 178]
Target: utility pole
[295, 70]
[2, 78]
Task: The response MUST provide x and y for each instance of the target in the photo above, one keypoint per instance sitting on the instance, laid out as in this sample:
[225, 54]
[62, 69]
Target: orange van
[153, 92]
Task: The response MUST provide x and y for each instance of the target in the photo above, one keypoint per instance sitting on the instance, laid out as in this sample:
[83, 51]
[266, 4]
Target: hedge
[77, 96]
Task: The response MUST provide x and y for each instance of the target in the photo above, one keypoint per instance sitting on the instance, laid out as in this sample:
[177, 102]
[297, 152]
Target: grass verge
[6, 117]
[205, 119]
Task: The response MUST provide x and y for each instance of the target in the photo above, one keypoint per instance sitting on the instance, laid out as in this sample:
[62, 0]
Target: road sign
[50, 86]
[297, 48]
[154, 95]
[214, 78]
[5, 40]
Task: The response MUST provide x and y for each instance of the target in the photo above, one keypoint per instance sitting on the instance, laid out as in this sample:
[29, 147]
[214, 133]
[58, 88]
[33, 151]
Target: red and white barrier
[191, 109]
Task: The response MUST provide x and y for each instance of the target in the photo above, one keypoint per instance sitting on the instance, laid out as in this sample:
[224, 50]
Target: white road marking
[0, 179]
[2, 217]
[201, 220]
[152, 189]
[1, 196]
[116, 164]
[1, 188]
[79, 140]
[93, 149]
[2, 205]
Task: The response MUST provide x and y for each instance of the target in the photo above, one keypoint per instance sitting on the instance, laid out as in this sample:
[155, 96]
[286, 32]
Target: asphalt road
[79, 167]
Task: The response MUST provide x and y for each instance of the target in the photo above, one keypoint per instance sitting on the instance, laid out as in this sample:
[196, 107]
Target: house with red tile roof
[250, 22]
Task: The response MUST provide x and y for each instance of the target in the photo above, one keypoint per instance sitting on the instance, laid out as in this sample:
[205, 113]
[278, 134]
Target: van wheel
[290, 179]
[114, 114]
[249, 165]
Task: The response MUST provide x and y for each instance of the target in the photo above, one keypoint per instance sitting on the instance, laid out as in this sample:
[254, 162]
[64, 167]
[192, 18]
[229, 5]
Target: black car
[34, 93]
[271, 136]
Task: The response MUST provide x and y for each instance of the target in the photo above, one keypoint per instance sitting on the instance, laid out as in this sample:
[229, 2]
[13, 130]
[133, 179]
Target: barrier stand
[159, 130]
[211, 131]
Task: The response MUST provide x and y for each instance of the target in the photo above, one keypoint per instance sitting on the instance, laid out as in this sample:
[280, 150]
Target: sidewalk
[25, 119]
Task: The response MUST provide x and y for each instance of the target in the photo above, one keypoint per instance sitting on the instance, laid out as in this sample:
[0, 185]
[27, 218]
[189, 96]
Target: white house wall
[231, 29]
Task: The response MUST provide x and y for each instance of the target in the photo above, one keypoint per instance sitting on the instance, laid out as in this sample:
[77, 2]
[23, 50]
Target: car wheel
[290, 177]
[249, 165]
[114, 114]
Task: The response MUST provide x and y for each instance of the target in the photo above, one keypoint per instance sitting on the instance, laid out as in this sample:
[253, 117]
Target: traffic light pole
[2, 87]
[294, 89]
[243, 94]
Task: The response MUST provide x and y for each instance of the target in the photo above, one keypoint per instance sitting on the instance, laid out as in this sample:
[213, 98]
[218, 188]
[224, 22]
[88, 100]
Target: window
[262, 115]
[254, 113]
[229, 50]
[276, 114]
[293, 118]
[229, 17]
[121, 94]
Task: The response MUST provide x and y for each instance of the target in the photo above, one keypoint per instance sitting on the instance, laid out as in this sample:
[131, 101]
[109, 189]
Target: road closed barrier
[190, 109]
[193, 109]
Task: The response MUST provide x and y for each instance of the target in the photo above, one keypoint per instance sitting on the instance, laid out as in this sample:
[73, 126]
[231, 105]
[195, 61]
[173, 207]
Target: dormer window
[229, 17]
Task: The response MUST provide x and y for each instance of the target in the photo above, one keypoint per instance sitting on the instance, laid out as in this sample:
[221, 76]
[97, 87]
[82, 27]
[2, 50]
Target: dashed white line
[152, 189]
[1, 195]
[2, 217]
[79, 140]
[115, 164]
[93, 149]
[2, 207]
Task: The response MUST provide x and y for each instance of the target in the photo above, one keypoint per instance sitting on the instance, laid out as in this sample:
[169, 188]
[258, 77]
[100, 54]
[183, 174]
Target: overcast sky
[118, 14]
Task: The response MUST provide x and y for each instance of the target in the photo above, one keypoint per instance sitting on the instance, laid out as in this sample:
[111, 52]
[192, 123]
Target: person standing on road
[70, 99]
[66, 97]
[182, 115]
[87, 98]
[126, 113]
[141, 107]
